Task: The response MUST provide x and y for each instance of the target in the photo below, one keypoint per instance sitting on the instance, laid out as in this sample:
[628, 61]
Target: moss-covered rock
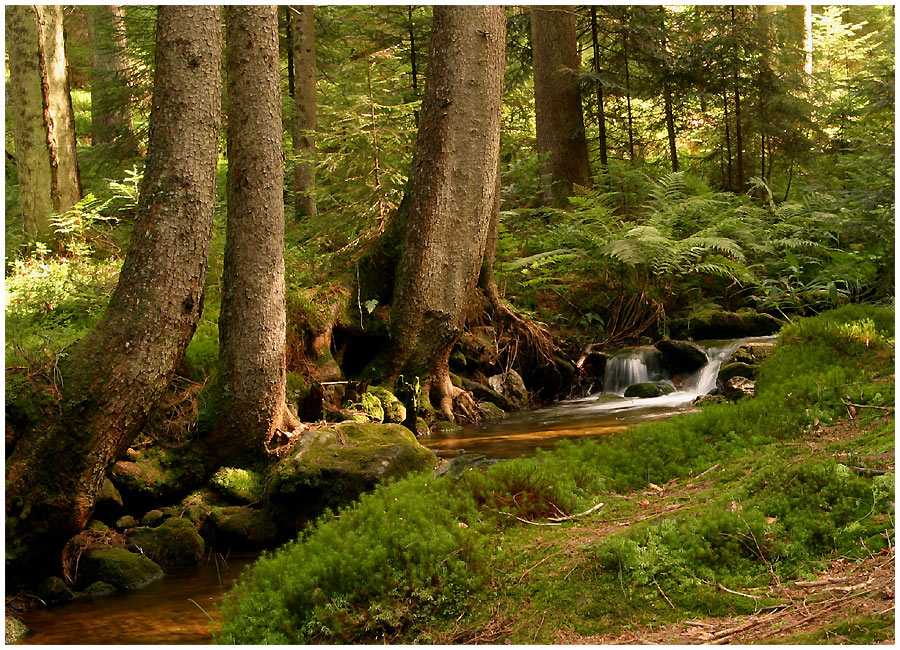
[15, 629]
[682, 356]
[332, 467]
[153, 518]
[371, 406]
[649, 389]
[394, 411]
[97, 589]
[716, 324]
[118, 567]
[174, 545]
[54, 590]
[735, 369]
[482, 392]
[607, 398]
[457, 360]
[126, 522]
[511, 386]
[490, 412]
[240, 527]
[238, 485]
[446, 427]
[108, 504]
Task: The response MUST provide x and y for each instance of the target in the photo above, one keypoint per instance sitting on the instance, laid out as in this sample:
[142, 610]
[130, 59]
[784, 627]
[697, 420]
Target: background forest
[663, 172]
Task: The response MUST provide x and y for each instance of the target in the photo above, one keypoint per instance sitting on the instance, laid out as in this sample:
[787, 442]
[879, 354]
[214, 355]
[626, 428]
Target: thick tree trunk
[113, 378]
[110, 105]
[450, 193]
[601, 113]
[252, 321]
[561, 139]
[303, 51]
[43, 122]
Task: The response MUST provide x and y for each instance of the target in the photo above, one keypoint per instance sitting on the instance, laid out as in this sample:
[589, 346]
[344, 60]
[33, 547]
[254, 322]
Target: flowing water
[169, 611]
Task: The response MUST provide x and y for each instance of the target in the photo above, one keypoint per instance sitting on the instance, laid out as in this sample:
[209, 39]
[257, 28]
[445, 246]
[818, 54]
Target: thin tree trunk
[252, 320]
[670, 127]
[561, 141]
[112, 379]
[304, 52]
[628, 97]
[450, 193]
[110, 98]
[739, 141]
[289, 39]
[808, 39]
[730, 181]
[601, 113]
[412, 52]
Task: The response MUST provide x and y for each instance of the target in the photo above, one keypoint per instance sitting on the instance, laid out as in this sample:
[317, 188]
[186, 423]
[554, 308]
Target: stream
[169, 611]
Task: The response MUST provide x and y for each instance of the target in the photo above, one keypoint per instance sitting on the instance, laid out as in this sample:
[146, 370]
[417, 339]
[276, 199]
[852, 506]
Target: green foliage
[242, 485]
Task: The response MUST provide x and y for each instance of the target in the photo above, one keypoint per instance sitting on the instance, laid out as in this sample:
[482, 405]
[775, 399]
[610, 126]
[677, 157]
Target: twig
[873, 471]
[708, 471]
[821, 583]
[887, 409]
[738, 593]
[580, 514]
[663, 593]
[544, 559]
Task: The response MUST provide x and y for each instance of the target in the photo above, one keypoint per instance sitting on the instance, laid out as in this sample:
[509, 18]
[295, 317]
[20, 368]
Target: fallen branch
[871, 471]
[708, 471]
[821, 583]
[526, 521]
[580, 514]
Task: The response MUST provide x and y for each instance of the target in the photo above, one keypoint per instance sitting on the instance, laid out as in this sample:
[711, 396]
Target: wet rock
[735, 369]
[649, 389]
[738, 387]
[682, 356]
[595, 363]
[724, 325]
[703, 400]
[490, 412]
[240, 527]
[446, 427]
[237, 485]
[152, 518]
[607, 398]
[117, 567]
[511, 386]
[482, 392]
[459, 464]
[126, 522]
[174, 545]
[15, 629]
[97, 589]
[394, 411]
[332, 467]
[54, 590]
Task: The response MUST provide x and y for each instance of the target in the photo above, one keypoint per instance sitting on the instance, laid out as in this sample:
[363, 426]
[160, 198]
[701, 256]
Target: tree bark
[41, 108]
[450, 192]
[601, 113]
[628, 93]
[303, 51]
[561, 140]
[110, 97]
[113, 378]
[252, 320]
[738, 134]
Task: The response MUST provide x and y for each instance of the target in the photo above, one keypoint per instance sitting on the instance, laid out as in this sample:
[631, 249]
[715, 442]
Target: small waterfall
[633, 367]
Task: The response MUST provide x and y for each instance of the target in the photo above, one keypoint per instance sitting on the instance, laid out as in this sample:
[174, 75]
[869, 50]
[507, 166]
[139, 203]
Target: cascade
[633, 367]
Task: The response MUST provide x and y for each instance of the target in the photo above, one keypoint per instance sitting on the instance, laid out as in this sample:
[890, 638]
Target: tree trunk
[561, 139]
[303, 51]
[450, 193]
[289, 40]
[43, 120]
[738, 135]
[110, 97]
[601, 113]
[667, 95]
[113, 378]
[252, 320]
[628, 95]
[729, 184]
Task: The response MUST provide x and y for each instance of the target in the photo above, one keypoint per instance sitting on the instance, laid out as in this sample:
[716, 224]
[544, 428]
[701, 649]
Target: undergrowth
[416, 556]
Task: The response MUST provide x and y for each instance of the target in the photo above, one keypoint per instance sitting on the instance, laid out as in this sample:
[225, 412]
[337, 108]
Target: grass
[441, 560]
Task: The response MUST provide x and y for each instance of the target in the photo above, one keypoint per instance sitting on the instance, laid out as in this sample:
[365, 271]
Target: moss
[175, 544]
[607, 398]
[98, 589]
[240, 485]
[490, 412]
[296, 387]
[54, 590]
[394, 410]
[371, 406]
[15, 629]
[240, 527]
[118, 567]
[649, 389]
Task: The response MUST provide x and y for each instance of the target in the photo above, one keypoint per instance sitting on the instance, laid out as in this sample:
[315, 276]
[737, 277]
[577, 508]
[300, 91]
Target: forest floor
[848, 601]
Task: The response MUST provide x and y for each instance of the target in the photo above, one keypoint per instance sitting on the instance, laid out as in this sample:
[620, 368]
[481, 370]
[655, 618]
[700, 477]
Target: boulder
[153, 518]
[371, 406]
[123, 523]
[482, 392]
[511, 386]
[595, 363]
[117, 567]
[97, 589]
[490, 412]
[704, 400]
[15, 629]
[174, 545]
[108, 504]
[715, 324]
[237, 485]
[240, 527]
[738, 387]
[735, 369]
[143, 481]
[54, 590]
[682, 356]
[331, 467]
[649, 389]
[394, 411]
[607, 398]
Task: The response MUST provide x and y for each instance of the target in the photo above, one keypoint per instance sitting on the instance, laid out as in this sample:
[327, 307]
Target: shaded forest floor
[551, 595]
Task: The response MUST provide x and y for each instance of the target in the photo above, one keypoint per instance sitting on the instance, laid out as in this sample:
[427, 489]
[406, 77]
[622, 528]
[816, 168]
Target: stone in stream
[15, 629]
[240, 527]
[607, 398]
[682, 356]
[490, 412]
[97, 589]
[737, 374]
[511, 386]
[393, 409]
[738, 387]
[649, 389]
[174, 545]
[118, 567]
[54, 590]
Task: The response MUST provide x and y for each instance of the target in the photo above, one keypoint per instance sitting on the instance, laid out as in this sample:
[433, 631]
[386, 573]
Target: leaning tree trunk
[557, 103]
[303, 53]
[110, 105]
[450, 193]
[252, 320]
[112, 379]
[41, 108]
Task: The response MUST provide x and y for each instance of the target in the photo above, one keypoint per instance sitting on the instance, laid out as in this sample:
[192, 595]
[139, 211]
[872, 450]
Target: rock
[238, 485]
[143, 482]
[607, 398]
[371, 406]
[126, 522]
[649, 389]
[682, 356]
[152, 518]
[738, 387]
[490, 412]
[595, 363]
[457, 360]
[443, 426]
[459, 464]
[97, 589]
[54, 590]
[174, 545]
[421, 427]
[118, 567]
[331, 467]
[479, 344]
[510, 385]
[394, 411]
[108, 504]
[240, 527]
[703, 400]
[15, 629]
[735, 369]
[480, 391]
[716, 324]
[98, 526]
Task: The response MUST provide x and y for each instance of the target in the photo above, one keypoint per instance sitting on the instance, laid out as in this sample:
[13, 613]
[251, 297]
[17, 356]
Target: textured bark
[557, 103]
[451, 191]
[252, 321]
[601, 113]
[41, 107]
[738, 131]
[303, 52]
[110, 110]
[113, 378]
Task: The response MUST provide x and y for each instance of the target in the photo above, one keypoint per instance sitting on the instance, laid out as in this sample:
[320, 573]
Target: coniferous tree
[110, 98]
[303, 58]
